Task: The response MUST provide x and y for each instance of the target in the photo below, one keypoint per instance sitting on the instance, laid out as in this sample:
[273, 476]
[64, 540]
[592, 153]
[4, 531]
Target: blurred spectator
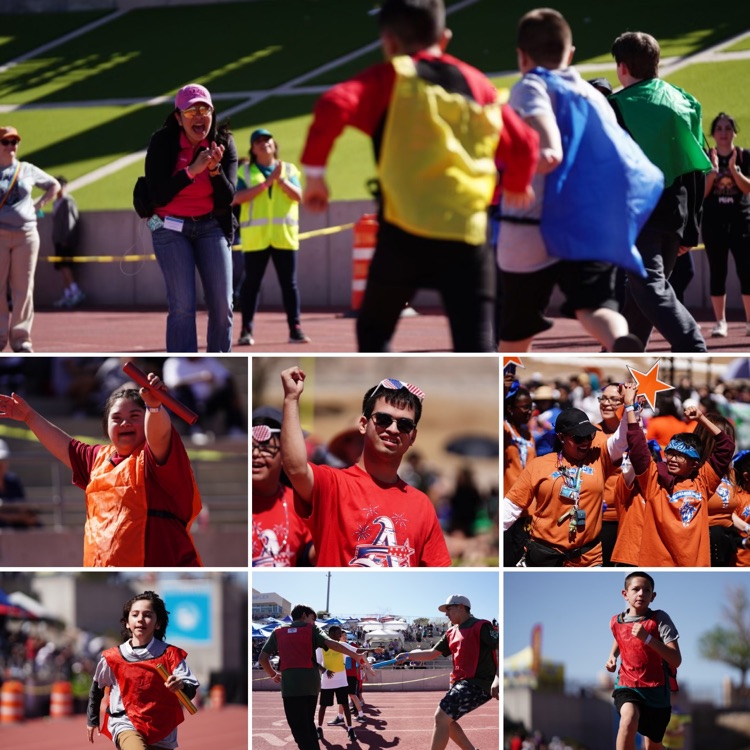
[14, 513]
[65, 236]
[204, 385]
[465, 503]
[542, 423]
[343, 449]
[74, 378]
[666, 421]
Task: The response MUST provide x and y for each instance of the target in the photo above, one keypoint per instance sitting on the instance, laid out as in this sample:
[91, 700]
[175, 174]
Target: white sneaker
[720, 329]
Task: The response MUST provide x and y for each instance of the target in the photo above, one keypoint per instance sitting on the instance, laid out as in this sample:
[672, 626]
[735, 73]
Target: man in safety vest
[299, 672]
[473, 643]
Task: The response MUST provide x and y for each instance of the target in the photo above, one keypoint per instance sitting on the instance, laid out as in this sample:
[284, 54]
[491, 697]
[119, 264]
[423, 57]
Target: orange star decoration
[648, 383]
[513, 361]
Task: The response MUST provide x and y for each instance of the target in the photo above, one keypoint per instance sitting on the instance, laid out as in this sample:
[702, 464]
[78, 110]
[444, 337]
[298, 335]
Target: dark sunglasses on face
[200, 109]
[578, 439]
[384, 421]
[10, 141]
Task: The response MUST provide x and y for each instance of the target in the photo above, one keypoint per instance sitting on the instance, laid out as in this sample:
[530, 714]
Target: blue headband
[739, 456]
[514, 386]
[655, 447]
[679, 447]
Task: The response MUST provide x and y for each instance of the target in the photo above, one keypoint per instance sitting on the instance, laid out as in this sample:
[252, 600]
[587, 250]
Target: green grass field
[261, 45]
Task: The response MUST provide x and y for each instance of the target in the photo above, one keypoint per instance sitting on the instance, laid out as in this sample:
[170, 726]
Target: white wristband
[630, 407]
[648, 639]
[154, 408]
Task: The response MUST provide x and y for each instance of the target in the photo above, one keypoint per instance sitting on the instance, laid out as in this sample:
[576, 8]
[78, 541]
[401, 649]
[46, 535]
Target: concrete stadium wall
[40, 549]
[386, 680]
[324, 269]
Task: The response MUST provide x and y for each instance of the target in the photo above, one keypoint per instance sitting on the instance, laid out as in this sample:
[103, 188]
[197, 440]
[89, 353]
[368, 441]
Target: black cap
[574, 422]
[602, 85]
[267, 415]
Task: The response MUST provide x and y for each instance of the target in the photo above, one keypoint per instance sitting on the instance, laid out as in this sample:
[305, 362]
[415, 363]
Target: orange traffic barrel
[217, 696]
[365, 237]
[61, 700]
[11, 702]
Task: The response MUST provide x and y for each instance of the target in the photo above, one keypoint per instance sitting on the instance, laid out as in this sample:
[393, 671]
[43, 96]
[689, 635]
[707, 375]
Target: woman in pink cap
[191, 171]
[19, 238]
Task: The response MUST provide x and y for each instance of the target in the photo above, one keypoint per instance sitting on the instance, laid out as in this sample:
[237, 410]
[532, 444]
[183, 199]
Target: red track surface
[224, 728]
[394, 719]
[105, 331]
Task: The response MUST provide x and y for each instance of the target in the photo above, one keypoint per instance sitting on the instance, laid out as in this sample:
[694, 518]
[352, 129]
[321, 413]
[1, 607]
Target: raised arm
[55, 440]
[293, 450]
[157, 424]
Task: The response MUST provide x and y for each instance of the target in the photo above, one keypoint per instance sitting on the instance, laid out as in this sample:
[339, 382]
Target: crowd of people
[662, 180]
[594, 475]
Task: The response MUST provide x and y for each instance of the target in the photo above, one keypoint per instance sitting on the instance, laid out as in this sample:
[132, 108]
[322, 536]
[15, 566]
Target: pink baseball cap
[191, 94]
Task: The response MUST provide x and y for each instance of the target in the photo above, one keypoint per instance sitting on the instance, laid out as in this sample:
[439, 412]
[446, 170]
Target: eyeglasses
[395, 385]
[609, 400]
[384, 421]
[679, 457]
[199, 109]
[266, 449]
[262, 435]
[10, 141]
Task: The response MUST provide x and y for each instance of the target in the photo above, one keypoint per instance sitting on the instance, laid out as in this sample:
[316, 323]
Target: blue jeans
[202, 245]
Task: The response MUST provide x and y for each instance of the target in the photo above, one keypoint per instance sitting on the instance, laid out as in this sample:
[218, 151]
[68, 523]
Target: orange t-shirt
[675, 528]
[722, 504]
[542, 480]
[630, 507]
[663, 428]
[743, 511]
[514, 460]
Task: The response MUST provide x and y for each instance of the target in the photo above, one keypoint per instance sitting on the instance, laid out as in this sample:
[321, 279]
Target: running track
[224, 728]
[394, 719]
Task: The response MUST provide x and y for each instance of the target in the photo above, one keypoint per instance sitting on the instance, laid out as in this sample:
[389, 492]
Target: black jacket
[163, 185]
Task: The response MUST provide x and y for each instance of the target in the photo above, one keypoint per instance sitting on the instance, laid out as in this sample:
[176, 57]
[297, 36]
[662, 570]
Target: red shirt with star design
[359, 522]
[279, 534]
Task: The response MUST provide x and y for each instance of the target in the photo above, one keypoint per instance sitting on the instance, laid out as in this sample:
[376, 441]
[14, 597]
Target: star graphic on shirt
[371, 510]
[513, 361]
[362, 532]
[648, 383]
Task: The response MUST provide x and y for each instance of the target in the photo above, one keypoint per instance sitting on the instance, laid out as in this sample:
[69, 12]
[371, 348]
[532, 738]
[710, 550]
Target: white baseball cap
[455, 599]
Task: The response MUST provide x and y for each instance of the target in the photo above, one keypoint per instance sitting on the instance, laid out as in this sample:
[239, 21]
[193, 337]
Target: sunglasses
[10, 141]
[384, 421]
[578, 439]
[200, 109]
[396, 385]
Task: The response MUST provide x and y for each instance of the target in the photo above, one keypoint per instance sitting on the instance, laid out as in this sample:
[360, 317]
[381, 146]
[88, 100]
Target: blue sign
[189, 615]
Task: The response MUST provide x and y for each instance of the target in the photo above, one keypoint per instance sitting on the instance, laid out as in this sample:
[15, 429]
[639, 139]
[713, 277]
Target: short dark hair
[544, 35]
[689, 439]
[740, 467]
[510, 400]
[715, 122]
[301, 610]
[639, 574]
[401, 399]
[131, 394]
[160, 609]
[640, 52]
[417, 24]
[334, 629]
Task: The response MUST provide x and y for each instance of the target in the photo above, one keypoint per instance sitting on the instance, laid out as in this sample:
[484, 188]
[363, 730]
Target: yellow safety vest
[271, 219]
[437, 160]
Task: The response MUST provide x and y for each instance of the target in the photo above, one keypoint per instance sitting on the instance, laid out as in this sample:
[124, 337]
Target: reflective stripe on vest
[271, 219]
[437, 178]
[153, 710]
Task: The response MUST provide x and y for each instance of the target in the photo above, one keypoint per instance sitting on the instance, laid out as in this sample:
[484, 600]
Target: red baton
[139, 377]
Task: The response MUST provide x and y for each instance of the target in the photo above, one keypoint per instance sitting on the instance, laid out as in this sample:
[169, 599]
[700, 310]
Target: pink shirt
[197, 198]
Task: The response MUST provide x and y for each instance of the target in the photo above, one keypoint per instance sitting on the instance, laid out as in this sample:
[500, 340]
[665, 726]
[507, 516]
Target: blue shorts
[463, 697]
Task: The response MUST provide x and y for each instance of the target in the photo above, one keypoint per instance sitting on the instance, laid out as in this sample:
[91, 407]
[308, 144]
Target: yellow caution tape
[137, 258]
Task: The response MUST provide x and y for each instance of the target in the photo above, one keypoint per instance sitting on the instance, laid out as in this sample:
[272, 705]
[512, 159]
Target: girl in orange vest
[143, 710]
[141, 496]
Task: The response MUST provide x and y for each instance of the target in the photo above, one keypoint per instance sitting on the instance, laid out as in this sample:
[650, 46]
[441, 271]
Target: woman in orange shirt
[567, 487]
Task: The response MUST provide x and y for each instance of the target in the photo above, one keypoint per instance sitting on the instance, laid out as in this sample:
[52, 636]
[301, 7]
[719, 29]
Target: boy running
[646, 642]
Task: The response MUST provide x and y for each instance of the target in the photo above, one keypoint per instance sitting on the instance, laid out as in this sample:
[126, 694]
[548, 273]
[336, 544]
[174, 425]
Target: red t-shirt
[279, 534]
[356, 521]
[197, 198]
[169, 488]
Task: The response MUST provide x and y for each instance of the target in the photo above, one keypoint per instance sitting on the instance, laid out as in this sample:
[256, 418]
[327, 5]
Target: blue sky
[409, 593]
[574, 609]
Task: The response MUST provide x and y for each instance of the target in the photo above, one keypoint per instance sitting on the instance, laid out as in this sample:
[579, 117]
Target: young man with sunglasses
[364, 515]
[280, 538]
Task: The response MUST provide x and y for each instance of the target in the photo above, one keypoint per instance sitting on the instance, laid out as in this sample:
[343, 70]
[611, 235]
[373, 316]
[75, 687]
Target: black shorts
[586, 285]
[652, 722]
[327, 695]
[463, 697]
[352, 685]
